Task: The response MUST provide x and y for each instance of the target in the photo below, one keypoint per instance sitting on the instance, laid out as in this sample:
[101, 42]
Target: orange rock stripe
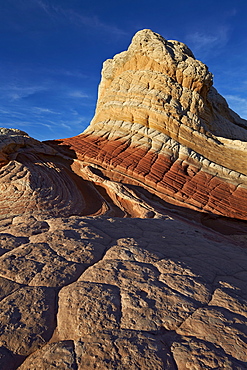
[192, 186]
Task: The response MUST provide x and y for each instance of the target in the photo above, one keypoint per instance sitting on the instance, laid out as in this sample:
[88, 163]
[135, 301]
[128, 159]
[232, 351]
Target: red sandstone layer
[177, 181]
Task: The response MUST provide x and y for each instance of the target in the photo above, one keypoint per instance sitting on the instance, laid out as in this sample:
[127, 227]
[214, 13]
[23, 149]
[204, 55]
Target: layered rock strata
[160, 124]
[105, 261]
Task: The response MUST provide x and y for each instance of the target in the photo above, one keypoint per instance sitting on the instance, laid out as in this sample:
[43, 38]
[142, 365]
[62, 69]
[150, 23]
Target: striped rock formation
[37, 180]
[32, 181]
[102, 263]
[160, 125]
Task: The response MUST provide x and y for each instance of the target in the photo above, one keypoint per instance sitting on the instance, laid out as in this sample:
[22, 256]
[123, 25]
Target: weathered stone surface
[146, 303]
[160, 293]
[123, 350]
[58, 253]
[87, 308]
[27, 225]
[13, 140]
[27, 319]
[37, 264]
[170, 277]
[119, 350]
[33, 184]
[7, 287]
[105, 261]
[75, 240]
[220, 327]
[59, 355]
[191, 353]
[8, 242]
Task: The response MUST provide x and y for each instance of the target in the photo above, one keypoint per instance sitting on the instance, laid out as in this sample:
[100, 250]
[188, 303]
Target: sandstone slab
[119, 350]
[27, 319]
[87, 308]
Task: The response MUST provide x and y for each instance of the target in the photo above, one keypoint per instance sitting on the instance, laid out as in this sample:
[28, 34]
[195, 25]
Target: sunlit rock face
[160, 124]
[115, 252]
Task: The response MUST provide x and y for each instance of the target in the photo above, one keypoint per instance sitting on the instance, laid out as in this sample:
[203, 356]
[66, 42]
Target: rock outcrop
[115, 248]
[159, 124]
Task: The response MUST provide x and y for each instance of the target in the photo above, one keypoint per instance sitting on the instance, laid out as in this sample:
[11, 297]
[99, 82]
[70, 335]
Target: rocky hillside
[125, 247]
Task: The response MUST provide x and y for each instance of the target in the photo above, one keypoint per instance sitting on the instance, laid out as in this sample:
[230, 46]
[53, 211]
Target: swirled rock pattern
[115, 252]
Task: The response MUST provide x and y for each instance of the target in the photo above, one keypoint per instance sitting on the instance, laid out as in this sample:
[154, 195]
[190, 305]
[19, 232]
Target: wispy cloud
[93, 22]
[68, 73]
[43, 128]
[44, 5]
[15, 92]
[238, 104]
[201, 40]
[40, 110]
[78, 19]
[236, 99]
[205, 43]
[78, 94]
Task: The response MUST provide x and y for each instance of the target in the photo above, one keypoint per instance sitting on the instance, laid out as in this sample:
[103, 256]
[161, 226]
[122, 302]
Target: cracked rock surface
[162, 293]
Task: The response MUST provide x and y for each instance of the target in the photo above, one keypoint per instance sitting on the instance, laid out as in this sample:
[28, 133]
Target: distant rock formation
[115, 252]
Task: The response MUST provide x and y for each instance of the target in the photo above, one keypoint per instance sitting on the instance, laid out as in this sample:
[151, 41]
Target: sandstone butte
[125, 247]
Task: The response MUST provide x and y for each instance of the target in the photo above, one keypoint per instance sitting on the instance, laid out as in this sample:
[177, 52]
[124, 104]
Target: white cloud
[236, 99]
[40, 110]
[43, 5]
[76, 74]
[57, 12]
[16, 124]
[4, 111]
[50, 127]
[238, 104]
[78, 94]
[15, 92]
[201, 42]
[93, 22]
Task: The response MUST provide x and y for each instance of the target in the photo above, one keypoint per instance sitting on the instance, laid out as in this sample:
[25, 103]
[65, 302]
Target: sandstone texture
[125, 247]
[161, 125]
[163, 293]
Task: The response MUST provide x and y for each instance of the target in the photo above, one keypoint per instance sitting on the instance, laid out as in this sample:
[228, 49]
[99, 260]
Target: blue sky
[51, 53]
